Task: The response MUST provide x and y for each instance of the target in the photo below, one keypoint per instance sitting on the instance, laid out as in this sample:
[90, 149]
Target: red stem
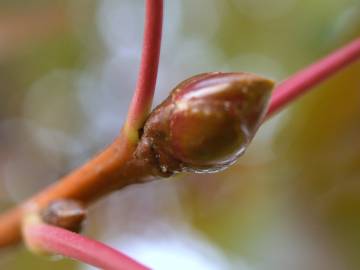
[306, 79]
[101, 175]
[145, 87]
[63, 242]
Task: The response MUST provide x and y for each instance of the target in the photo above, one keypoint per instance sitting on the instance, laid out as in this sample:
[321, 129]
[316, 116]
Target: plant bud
[67, 214]
[207, 121]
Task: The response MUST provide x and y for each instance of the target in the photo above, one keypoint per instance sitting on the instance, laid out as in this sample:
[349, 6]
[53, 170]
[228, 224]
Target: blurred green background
[67, 71]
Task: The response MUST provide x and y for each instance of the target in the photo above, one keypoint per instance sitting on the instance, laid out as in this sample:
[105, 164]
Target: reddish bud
[207, 121]
[67, 214]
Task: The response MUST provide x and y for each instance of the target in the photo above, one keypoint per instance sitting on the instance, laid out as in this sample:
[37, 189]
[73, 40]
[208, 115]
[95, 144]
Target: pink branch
[55, 240]
[311, 76]
[145, 87]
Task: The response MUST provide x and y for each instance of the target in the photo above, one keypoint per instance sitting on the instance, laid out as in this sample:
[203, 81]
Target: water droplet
[209, 120]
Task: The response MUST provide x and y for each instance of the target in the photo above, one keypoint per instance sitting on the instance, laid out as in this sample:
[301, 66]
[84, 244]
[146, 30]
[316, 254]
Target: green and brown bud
[207, 121]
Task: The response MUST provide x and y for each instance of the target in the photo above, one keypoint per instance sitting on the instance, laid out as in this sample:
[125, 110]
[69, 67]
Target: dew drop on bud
[208, 121]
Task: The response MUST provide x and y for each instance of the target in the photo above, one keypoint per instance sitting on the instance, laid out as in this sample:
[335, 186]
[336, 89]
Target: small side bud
[67, 214]
[207, 121]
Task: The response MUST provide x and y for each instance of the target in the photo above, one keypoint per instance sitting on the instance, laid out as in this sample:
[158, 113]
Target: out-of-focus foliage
[67, 70]
[320, 144]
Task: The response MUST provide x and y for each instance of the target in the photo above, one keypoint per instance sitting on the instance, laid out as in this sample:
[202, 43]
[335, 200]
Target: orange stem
[110, 169]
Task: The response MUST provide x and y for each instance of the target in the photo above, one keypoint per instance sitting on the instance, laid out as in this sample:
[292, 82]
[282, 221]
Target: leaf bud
[207, 121]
